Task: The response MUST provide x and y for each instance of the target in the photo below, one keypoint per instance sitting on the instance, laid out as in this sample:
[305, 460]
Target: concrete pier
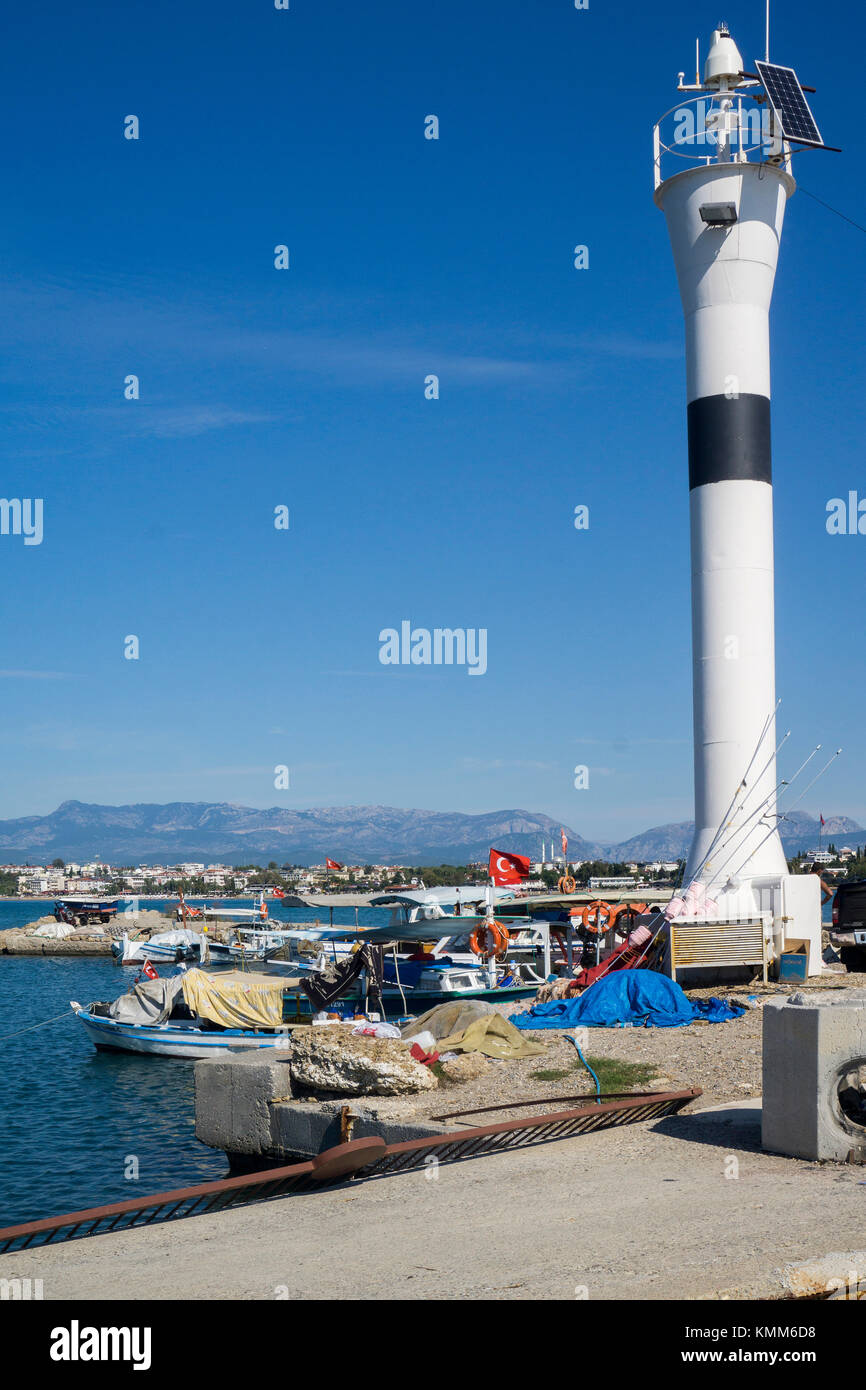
[643, 1212]
[245, 1106]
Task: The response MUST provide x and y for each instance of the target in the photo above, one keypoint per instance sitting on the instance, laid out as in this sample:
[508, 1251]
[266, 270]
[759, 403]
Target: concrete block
[308, 1128]
[233, 1099]
[245, 1106]
[814, 1063]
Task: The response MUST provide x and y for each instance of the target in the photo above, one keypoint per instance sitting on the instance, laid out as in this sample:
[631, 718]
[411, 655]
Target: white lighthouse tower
[723, 180]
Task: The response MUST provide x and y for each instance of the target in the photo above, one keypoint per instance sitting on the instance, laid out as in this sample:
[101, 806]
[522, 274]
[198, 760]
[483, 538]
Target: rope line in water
[66, 1014]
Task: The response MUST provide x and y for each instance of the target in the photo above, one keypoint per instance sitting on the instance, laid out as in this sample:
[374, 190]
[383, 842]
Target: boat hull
[170, 1040]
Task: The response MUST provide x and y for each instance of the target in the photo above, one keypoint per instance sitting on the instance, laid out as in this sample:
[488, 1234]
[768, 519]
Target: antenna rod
[767, 36]
[698, 60]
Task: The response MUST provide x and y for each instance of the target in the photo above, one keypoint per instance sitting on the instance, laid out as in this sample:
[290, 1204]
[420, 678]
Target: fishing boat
[428, 955]
[248, 944]
[437, 948]
[455, 918]
[154, 1021]
[171, 946]
[199, 1013]
[83, 911]
[191, 1015]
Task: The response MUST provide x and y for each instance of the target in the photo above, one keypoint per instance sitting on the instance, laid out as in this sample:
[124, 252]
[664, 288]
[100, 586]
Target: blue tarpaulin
[640, 997]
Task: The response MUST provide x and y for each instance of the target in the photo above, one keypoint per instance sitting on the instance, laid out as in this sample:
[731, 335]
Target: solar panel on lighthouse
[789, 104]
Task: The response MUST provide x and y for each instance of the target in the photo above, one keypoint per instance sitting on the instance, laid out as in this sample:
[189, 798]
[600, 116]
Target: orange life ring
[564, 882]
[628, 909]
[592, 916]
[478, 939]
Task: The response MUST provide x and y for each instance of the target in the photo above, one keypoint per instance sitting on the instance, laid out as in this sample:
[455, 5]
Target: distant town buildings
[97, 878]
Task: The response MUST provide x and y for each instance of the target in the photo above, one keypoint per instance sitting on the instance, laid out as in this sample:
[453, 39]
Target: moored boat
[82, 911]
[192, 1014]
[171, 946]
[179, 1038]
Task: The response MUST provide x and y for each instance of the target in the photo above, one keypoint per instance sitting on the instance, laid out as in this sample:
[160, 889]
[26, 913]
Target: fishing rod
[730, 813]
[761, 804]
[728, 816]
[784, 816]
[811, 784]
[764, 809]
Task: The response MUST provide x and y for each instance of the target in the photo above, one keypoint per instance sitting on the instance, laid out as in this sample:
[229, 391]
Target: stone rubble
[332, 1058]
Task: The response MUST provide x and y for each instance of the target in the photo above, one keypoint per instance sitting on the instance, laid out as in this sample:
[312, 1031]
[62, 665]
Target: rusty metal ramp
[359, 1158]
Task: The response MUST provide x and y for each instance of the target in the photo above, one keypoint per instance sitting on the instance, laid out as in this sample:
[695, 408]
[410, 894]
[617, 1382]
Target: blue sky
[306, 388]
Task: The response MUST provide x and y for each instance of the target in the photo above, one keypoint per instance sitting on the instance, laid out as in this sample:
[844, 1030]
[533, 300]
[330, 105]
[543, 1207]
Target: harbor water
[81, 1127]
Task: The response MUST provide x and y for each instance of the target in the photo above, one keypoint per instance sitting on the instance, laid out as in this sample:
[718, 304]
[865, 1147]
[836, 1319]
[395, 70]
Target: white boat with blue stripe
[187, 1038]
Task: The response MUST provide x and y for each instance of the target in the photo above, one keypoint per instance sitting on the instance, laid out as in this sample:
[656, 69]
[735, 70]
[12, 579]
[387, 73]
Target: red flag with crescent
[564, 839]
[332, 864]
[507, 868]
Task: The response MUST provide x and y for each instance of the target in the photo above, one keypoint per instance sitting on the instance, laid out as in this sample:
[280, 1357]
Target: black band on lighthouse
[729, 439]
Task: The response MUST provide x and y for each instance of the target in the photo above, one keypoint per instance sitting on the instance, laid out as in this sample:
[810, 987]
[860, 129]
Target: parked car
[848, 932]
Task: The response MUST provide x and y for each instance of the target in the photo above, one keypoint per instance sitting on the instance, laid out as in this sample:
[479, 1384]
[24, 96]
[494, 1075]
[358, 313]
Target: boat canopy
[232, 999]
[235, 998]
[149, 1002]
[439, 897]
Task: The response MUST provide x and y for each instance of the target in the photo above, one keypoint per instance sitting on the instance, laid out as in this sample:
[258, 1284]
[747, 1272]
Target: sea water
[80, 1128]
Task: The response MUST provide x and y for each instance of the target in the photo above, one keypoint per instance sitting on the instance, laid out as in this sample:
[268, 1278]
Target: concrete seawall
[245, 1106]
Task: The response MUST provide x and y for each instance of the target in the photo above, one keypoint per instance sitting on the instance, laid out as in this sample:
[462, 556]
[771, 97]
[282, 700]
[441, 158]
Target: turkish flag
[564, 838]
[332, 864]
[278, 893]
[148, 971]
[507, 868]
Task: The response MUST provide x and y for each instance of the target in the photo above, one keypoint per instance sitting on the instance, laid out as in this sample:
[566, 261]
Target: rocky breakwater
[36, 938]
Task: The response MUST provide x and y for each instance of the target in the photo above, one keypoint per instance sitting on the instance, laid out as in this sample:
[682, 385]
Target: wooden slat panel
[718, 943]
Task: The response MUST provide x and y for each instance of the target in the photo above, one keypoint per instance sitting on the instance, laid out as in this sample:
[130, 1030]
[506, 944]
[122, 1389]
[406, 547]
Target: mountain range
[147, 833]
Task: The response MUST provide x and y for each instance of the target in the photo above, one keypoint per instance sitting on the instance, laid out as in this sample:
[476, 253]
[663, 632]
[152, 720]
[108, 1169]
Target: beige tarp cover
[235, 998]
[471, 1025]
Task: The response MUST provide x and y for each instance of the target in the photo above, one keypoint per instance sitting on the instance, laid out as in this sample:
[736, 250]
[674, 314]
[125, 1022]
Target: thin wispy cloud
[178, 422]
[24, 675]
[101, 318]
